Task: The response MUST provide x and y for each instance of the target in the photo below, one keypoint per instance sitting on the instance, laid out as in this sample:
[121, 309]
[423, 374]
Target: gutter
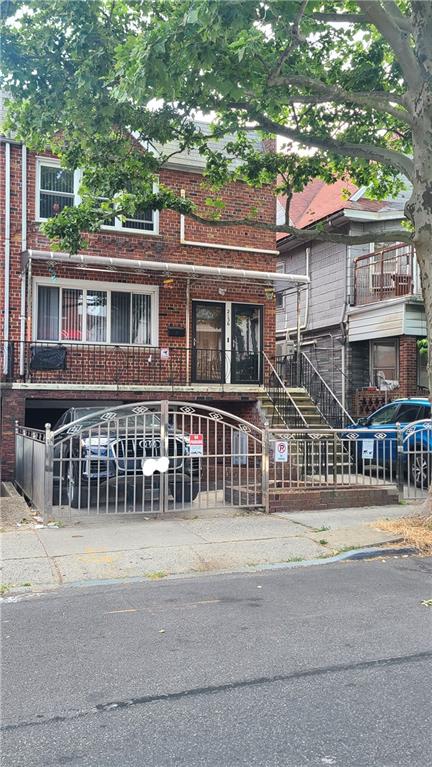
[165, 266]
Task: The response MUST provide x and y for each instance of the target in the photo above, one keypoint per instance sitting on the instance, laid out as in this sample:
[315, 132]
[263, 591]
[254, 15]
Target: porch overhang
[190, 270]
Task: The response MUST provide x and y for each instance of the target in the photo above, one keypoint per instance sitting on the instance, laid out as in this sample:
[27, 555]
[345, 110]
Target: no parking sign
[281, 451]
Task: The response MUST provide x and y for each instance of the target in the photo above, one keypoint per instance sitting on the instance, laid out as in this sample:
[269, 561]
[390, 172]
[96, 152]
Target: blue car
[373, 439]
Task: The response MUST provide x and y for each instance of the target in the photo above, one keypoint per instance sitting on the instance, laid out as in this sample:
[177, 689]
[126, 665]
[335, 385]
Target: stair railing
[326, 401]
[283, 403]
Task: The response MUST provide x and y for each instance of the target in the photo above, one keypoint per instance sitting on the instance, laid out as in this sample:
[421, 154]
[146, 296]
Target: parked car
[108, 454]
[381, 427]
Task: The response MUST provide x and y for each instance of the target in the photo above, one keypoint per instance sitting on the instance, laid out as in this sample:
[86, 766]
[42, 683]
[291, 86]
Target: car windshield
[385, 415]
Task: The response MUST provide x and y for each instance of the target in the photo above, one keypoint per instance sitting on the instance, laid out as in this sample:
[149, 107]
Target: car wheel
[78, 497]
[184, 492]
[421, 471]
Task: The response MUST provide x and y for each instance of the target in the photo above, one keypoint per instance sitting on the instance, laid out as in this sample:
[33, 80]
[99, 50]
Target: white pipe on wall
[23, 247]
[306, 316]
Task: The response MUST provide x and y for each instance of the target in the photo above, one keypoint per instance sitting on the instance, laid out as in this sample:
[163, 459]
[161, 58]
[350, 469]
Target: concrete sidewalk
[120, 548]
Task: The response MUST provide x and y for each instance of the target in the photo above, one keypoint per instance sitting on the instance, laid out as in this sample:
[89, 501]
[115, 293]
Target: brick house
[154, 307]
[362, 313]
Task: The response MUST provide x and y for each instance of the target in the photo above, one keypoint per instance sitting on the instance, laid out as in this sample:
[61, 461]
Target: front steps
[303, 402]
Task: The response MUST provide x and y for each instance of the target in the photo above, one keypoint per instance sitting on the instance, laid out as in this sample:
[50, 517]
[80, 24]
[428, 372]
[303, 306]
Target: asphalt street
[327, 665]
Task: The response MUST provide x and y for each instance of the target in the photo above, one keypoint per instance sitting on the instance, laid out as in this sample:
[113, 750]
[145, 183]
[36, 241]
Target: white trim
[216, 245]
[54, 164]
[109, 287]
[368, 215]
[77, 176]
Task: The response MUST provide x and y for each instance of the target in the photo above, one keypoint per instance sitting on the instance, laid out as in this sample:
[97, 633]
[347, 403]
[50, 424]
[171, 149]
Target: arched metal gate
[95, 464]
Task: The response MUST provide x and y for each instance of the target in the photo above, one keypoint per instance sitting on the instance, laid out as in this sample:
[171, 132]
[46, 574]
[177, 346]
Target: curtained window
[94, 316]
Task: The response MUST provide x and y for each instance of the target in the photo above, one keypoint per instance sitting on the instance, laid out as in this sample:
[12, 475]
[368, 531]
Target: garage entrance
[109, 461]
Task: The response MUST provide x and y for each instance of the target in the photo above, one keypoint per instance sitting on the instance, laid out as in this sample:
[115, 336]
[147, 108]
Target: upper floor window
[280, 296]
[57, 188]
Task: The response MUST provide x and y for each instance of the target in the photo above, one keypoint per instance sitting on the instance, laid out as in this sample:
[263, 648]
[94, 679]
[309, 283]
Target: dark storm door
[208, 340]
[246, 355]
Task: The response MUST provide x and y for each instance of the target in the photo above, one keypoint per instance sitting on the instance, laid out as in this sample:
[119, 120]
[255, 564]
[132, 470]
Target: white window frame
[118, 226]
[53, 164]
[108, 287]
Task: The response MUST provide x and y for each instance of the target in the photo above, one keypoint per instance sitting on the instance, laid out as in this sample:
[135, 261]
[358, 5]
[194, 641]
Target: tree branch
[293, 43]
[379, 100]
[397, 39]
[396, 235]
[356, 18]
[382, 155]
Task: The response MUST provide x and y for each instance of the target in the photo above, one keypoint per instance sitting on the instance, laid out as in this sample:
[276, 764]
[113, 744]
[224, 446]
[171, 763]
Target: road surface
[329, 665]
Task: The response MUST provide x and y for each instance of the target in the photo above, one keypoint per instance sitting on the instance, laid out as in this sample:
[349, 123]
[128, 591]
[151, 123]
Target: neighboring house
[158, 306]
[362, 315]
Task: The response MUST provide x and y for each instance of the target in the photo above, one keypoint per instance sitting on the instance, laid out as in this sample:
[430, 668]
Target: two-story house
[154, 307]
[362, 313]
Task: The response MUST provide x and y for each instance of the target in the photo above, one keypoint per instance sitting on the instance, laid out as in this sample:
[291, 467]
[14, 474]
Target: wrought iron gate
[95, 464]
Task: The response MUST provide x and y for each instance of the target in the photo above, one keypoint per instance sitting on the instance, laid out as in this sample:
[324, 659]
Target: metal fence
[398, 457]
[30, 464]
[96, 464]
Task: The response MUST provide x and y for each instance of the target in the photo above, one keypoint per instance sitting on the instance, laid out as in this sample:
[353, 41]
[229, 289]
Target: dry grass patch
[416, 531]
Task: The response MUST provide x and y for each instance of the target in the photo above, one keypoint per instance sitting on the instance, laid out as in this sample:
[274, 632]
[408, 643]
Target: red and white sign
[281, 451]
[196, 444]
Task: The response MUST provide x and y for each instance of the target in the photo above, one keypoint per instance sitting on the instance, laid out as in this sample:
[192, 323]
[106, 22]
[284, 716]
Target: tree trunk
[420, 212]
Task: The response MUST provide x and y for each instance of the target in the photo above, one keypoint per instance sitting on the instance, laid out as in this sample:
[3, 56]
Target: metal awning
[85, 259]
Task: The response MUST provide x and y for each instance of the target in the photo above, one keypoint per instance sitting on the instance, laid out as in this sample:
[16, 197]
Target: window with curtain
[94, 316]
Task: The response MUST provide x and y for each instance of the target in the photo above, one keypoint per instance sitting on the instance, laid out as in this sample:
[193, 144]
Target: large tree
[346, 84]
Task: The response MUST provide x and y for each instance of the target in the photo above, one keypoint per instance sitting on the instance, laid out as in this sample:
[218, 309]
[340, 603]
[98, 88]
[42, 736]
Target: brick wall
[368, 399]
[164, 247]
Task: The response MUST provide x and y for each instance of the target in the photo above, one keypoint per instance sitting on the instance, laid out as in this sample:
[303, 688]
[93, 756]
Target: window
[422, 374]
[58, 188]
[386, 415]
[79, 312]
[384, 360]
[409, 412]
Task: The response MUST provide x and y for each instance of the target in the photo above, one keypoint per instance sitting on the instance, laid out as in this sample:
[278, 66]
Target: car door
[376, 443]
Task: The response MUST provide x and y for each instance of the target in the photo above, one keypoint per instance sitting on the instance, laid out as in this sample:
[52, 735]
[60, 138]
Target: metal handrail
[333, 396]
[285, 391]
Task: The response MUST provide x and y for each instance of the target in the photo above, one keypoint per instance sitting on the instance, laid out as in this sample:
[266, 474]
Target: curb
[353, 555]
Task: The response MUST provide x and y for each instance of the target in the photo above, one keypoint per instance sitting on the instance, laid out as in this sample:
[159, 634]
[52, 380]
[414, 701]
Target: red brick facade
[108, 367]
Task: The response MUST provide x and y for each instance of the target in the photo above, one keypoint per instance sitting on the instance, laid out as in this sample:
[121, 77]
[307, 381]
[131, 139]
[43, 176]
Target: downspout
[6, 356]
[23, 248]
[288, 331]
[347, 298]
[187, 330]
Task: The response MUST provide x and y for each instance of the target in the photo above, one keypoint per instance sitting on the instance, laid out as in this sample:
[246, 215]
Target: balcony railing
[105, 364]
[388, 273]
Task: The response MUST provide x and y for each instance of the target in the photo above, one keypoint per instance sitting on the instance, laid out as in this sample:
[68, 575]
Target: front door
[246, 343]
[208, 356]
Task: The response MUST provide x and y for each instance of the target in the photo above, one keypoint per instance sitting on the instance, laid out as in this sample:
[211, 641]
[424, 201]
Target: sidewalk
[36, 559]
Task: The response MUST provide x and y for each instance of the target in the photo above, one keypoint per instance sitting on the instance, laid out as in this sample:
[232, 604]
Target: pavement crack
[294, 676]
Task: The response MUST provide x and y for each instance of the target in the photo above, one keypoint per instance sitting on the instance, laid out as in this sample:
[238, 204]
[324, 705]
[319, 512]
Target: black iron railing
[328, 405]
[128, 365]
[284, 407]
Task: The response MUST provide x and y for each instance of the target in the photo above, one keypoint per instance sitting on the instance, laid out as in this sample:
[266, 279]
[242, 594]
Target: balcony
[388, 273]
[45, 362]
